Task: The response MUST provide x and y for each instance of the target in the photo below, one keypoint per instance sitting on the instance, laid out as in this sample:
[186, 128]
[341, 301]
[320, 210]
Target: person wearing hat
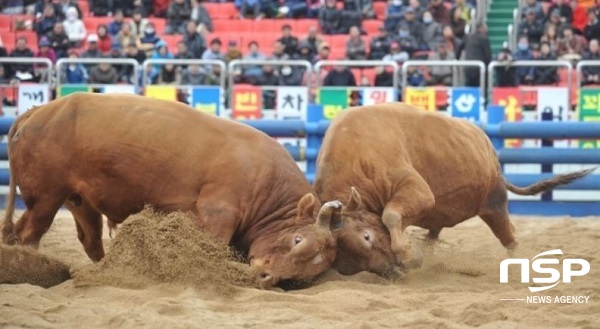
[564, 10]
[92, 51]
[556, 21]
[74, 28]
[44, 51]
[531, 28]
[536, 7]
[414, 26]
[407, 41]
[380, 44]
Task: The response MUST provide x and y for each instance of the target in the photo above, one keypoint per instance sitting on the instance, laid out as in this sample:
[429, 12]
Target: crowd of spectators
[551, 30]
[410, 29]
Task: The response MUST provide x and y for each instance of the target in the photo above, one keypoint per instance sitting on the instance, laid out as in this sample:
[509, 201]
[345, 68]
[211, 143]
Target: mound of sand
[153, 248]
[25, 265]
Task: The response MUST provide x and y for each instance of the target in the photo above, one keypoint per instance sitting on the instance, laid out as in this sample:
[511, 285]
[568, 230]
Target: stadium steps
[499, 17]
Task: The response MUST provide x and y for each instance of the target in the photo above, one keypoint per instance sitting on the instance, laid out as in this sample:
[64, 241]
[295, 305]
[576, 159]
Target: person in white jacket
[74, 27]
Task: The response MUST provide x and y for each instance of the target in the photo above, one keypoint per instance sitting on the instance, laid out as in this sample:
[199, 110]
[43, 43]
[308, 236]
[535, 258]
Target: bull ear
[355, 202]
[306, 206]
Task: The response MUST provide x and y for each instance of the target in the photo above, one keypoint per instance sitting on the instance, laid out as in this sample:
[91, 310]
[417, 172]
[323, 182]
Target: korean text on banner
[423, 98]
[67, 90]
[376, 95]
[333, 100]
[118, 89]
[161, 92]
[31, 95]
[465, 103]
[247, 103]
[292, 102]
[555, 100]
[510, 98]
[207, 99]
[589, 111]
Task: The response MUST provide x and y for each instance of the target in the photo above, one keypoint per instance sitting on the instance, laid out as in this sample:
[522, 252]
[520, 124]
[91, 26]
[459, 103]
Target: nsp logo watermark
[550, 275]
[537, 264]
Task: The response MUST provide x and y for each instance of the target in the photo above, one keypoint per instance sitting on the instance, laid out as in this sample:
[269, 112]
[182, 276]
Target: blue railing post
[547, 115]
[313, 139]
[496, 116]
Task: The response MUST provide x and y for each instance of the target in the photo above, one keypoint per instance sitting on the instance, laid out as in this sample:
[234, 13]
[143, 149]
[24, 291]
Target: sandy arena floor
[458, 287]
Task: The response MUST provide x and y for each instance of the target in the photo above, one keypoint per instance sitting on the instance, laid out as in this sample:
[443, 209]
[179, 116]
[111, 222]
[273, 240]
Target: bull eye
[367, 236]
[297, 239]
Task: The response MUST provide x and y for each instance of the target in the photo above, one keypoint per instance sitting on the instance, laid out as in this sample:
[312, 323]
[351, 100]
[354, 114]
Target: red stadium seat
[91, 23]
[5, 23]
[370, 74]
[228, 10]
[279, 23]
[85, 7]
[357, 74]
[213, 9]
[302, 26]
[233, 25]
[172, 41]
[380, 8]
[371, 26]
[8, 40]
[338, 42]
[160, 24]
[263, 26]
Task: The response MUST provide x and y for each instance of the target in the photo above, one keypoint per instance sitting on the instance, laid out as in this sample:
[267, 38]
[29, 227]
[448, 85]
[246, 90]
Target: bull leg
[495, 215]
[406, 207]
[501, 226]
[218, 218]
[36, 221]
[89, 229]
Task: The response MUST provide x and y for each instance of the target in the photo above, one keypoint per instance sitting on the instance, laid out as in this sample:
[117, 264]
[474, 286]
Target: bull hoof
[511, 248]
[8, 236]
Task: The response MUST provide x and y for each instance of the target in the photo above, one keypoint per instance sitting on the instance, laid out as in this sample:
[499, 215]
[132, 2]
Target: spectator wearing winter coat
[330, 18]
[565, 11]
[441, 75]
[59, 40]
[505, 75]
[46, 23]
[63, 5]
[290, 76]
[45, 50]
[74, 28]
[148, 39]
[161, 52]
[407, 42]
[21, 50]
[380, 44]
[101, 7]
[591, 74]
[178, 13]
[570, 46]
[432, 31]
[104, 39]
[355, 46]
[414, 77]
[138, 23]
[592, 29]
[116, 25]
[213, 53]
[195, 41]
[458, 24]
[92, 51]
[340, 76]
[440, 13]
[194, 76]
[383, 77]
[536, 7]
[396, 54]
[415, 27]
[253, 54]
[363, 7]
[233, 52]
[394, 15]
[525, 75]
[532, 29]
[545, 75]
[169, 75]
[200, 15]
[313, 39]
[125, 36]
[289, 41]
[103, 73]
[312, 8]
[75, 73]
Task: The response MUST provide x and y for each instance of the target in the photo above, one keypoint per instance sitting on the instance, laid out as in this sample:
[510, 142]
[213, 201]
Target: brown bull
[113, 154]
[412, 167]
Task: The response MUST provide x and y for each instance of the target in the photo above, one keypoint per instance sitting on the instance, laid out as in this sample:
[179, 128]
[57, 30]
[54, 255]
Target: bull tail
[548, 184]
[7, 226]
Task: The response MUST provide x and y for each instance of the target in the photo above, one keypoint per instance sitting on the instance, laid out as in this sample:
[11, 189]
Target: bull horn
[330, 213]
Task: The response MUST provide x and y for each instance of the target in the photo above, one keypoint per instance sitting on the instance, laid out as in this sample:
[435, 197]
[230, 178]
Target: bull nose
[266, 280]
